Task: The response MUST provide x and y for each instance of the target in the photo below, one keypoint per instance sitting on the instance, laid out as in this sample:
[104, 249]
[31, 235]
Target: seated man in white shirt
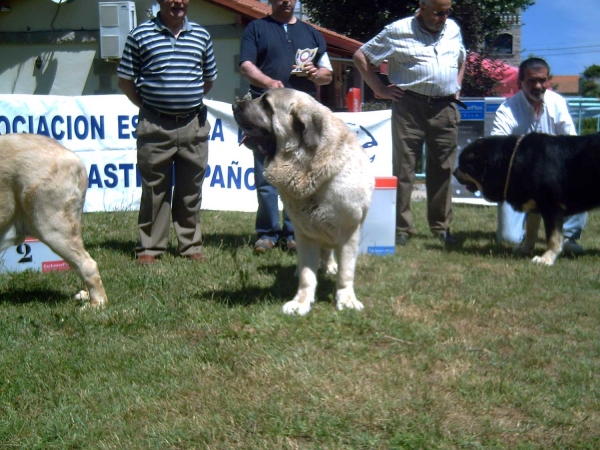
[534, 109]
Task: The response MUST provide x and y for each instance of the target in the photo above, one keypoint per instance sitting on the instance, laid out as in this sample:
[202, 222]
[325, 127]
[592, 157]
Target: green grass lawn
[463, 347]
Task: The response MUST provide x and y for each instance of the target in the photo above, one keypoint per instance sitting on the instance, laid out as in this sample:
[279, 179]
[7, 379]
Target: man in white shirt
[426, 58]
[534, 109]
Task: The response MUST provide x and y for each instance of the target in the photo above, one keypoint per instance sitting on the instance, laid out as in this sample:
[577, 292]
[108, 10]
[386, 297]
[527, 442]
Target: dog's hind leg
[532, 225]
[553, 223]
[61, 231]
[327, 262]
[348, 253]
[11, 230]
[79, 259]
[66, 242]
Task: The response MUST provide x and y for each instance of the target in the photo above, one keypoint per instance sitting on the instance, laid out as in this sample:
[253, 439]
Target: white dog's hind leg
[327, 262]
[61, 231]
[308, 260]
[87, 269]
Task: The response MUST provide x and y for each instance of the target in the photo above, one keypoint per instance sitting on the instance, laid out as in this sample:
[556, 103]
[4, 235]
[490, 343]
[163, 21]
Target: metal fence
[584, 108]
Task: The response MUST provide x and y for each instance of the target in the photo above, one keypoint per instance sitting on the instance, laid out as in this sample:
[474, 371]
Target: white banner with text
[101, 130]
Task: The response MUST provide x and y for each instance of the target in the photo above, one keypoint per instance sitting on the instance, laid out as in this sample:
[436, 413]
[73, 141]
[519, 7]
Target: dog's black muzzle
[460, 177]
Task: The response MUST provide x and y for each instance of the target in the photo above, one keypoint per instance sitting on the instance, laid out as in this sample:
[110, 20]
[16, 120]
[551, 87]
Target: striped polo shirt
[418, 60]
[169, 73]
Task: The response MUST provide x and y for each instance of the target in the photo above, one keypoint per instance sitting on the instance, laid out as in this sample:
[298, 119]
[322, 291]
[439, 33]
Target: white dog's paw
[546, 259]
[345, 299]
[296, 307]
[82, 295]
[331, 268]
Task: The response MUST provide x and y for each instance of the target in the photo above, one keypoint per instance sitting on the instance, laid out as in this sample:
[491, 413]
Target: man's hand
[389, 92]
[253, 74]
[274, 84]
[310, 70]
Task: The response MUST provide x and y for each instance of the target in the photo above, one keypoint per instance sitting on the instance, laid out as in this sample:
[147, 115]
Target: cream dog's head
[280, 120]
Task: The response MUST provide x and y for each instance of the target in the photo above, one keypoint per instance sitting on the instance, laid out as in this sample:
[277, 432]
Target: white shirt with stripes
[420, 61]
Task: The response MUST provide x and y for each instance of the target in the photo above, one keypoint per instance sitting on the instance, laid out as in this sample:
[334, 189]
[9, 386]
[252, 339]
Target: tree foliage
[479, 20]
[592, 71]
[589, 88]
[362, 19]
[589, 84]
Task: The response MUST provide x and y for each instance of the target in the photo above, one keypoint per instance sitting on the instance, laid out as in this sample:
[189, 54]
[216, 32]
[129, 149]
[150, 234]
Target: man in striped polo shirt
[425, 57]
[167, 68]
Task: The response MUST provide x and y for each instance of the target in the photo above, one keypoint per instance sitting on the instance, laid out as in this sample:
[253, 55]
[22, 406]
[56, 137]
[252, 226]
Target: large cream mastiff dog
[42, 191]
[324, 179]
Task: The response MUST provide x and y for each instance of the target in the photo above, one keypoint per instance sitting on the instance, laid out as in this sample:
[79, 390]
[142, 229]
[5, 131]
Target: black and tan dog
[549, 177]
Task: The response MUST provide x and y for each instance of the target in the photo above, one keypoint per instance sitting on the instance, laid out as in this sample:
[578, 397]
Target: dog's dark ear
[309, 123]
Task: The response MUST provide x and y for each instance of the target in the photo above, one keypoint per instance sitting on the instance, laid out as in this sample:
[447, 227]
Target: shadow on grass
[469, 243]
[28, 296]
[227, 241]
[123, 247]
[218, 240]
[283, 290]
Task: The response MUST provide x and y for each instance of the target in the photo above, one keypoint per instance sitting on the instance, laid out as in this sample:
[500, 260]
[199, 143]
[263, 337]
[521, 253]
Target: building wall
[64, 40]
[514, 29]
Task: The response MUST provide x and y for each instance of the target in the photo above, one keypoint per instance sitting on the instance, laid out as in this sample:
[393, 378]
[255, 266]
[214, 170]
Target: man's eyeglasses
[442, 13]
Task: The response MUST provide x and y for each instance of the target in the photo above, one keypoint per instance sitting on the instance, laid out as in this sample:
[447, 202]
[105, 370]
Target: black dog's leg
[532, 225]
[553, 223]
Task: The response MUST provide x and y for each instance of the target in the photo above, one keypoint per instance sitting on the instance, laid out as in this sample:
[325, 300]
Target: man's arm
[504, 123]
[564, 122]
[255, 76]
[391, 92]
[207, 86]
[461, 74]
[128, 88]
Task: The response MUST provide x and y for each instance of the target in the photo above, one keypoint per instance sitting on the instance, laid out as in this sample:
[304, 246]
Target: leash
[512, 157]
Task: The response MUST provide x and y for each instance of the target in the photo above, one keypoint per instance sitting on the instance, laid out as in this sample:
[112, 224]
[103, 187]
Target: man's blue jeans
[511, 225]
[267, 215]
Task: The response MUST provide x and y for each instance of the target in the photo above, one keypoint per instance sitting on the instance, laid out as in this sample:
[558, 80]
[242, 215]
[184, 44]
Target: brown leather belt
[175, 117]
[426, 98]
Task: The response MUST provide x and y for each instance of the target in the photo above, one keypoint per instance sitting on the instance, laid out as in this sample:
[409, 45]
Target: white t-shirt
[516, 116]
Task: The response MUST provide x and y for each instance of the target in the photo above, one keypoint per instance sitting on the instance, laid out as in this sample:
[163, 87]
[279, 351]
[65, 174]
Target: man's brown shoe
[146, 260]
[198, 257]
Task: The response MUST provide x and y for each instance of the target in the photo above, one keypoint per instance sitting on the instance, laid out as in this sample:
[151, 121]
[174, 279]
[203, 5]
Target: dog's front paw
[345, 299]
[547, 258]
[296, 307]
